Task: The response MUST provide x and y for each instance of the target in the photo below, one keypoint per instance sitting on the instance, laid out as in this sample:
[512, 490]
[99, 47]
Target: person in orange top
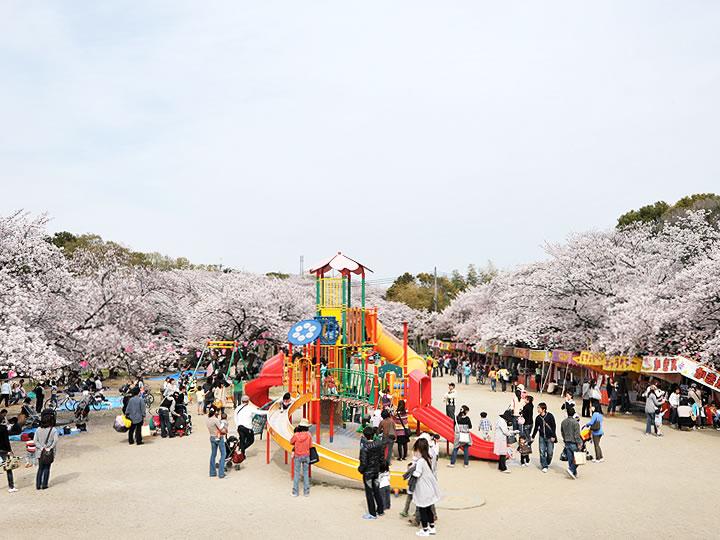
[330, 386]
[302, 442]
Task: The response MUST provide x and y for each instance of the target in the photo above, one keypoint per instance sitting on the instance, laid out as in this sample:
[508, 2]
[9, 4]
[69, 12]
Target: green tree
[661, 212]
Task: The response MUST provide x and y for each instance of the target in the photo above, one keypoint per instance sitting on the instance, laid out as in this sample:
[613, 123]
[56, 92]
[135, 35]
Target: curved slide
[419, 394]
[271, 374]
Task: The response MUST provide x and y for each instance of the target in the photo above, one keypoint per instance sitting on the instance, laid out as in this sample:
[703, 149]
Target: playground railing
[350, 384]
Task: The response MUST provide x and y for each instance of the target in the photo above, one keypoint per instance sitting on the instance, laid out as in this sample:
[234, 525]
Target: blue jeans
[650, 423]
[466, 453]
[42, 476]
[546, 452]
[302, 466]
[216, 443]
[570, 449]
[493, 384]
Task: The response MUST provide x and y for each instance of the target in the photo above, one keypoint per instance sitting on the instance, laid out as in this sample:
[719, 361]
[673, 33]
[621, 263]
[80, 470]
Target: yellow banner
[538, 356]
[588, 358]
[622, 363]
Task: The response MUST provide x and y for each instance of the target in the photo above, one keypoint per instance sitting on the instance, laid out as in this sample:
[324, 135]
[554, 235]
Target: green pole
[362, 295]
[317, 294]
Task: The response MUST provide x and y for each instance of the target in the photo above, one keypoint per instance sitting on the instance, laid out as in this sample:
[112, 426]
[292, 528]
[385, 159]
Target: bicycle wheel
[149, 399]
[96, 405]
[70, 404]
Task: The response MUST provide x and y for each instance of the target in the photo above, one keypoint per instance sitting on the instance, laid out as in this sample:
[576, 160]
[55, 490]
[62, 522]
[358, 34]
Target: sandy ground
[101, 487]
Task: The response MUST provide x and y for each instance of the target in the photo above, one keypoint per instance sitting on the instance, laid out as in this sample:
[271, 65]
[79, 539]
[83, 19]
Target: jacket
[570, 431]
[652, 403]
[545, 425]
[371, 456]
[135, 409]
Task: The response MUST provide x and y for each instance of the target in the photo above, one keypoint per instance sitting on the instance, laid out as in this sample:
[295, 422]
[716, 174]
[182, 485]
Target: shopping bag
[580, 458]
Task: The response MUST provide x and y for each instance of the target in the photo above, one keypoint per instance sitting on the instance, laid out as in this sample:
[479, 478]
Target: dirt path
[101, 487]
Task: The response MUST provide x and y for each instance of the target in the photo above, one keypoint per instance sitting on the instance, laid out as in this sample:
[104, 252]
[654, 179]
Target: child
[200, 398]
[30, 456]
[525, 451]
[408, 476]
[330, 386]
[384, 479]
[223, 426]
[485, 427]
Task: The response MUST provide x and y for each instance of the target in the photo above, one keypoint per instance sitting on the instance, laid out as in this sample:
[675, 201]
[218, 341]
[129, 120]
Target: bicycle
[68, 402]
[149, 399]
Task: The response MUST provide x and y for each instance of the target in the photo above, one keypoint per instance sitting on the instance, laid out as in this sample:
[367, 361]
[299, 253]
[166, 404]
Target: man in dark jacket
[371, 456]
[135, 411]
[545, 429]
[570, 431]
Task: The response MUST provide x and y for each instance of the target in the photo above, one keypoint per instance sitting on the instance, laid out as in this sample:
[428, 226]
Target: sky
[406, 134]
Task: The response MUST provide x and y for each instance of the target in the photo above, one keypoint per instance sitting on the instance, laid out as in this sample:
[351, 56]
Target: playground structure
[336, 366]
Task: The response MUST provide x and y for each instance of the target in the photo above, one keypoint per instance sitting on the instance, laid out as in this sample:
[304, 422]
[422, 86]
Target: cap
[305, 423]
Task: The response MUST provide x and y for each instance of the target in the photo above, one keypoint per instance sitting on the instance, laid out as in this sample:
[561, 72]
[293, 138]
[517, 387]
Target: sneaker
[451, 465]
[294, 494]
[544, 469]
[599, 460]
[432, 531]
[381, 514]
[12, 490]
[466, 466]
[507, 471]
[369, 516]
[403, 514]
[570, 473]
[423, 532]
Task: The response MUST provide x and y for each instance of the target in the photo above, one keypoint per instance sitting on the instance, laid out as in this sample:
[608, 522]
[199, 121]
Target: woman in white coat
[426, 491]
[500, 447]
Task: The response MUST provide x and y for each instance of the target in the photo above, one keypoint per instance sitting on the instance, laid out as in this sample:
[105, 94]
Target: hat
[305, 423]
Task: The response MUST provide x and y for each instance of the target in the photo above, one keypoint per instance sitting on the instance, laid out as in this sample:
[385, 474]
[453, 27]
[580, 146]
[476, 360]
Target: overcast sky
[406, 134]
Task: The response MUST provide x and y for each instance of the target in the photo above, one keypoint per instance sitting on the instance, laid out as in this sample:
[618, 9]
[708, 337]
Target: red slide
[419, 396]
[270, 375]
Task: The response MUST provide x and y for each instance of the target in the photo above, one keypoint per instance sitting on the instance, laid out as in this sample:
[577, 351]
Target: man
[459, 370]
[545, 428]
[674, 404]
[5, 392]
[135, 411]
[586, 399]
[652, 404]
[166, 409]
[371, 453]
[387, 428]
[39, 397]
[449, 400]
[570, 431]
[244, 415]
[504, 376]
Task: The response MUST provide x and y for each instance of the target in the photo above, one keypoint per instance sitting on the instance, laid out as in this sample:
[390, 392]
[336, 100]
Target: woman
[596, 429]
[301, 442]
[401, 430]
[502, 432]
[462, 437]
[6, 453]
[46, 439]
[517, 404]
[527, 414]
[426, 491]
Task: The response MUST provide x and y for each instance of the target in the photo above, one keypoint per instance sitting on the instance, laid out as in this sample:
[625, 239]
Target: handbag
[464, 438]
[314, 457]
[580, 458]
[47, 456]
[11, 463]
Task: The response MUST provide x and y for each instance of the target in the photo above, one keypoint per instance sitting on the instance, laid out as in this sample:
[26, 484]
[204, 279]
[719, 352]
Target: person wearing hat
[302, 442]
[500, 446]
[244, 415]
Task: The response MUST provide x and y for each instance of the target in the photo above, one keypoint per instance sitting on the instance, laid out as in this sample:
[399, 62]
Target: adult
[652, 405]
[449, 400]
[371, 456]
[596, 429]
[39, 397]
[695, 394]
[5, 454]
[467, 371]
[504, 376]
[387, 429]
[674, 401]
[217, 430]
[570, 431]
[595, 394]
[586, 399]
[426, 492]
[238, 387]
[545, 430]
[612, 398]
[527, 416]
[5, 389]
[302, 442]
[46, 439]
[516, 405]
[244, 415]
[402, 432]
[493, 376]
[135, 411]
[500, 446]
[463, 425]
[165, 411]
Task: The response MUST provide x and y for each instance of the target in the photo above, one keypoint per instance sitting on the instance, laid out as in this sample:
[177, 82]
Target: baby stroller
[182, 424]
[233, 453]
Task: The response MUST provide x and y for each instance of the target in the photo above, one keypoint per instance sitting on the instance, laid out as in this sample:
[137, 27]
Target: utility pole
[435, 296]
[302, 264]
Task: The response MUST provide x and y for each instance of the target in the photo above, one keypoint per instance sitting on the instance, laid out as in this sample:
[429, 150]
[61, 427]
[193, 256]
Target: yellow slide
[391, 348]
[281, 430]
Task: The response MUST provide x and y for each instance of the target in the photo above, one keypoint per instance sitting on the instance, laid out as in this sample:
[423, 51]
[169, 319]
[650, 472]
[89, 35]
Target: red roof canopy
[341, 263]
